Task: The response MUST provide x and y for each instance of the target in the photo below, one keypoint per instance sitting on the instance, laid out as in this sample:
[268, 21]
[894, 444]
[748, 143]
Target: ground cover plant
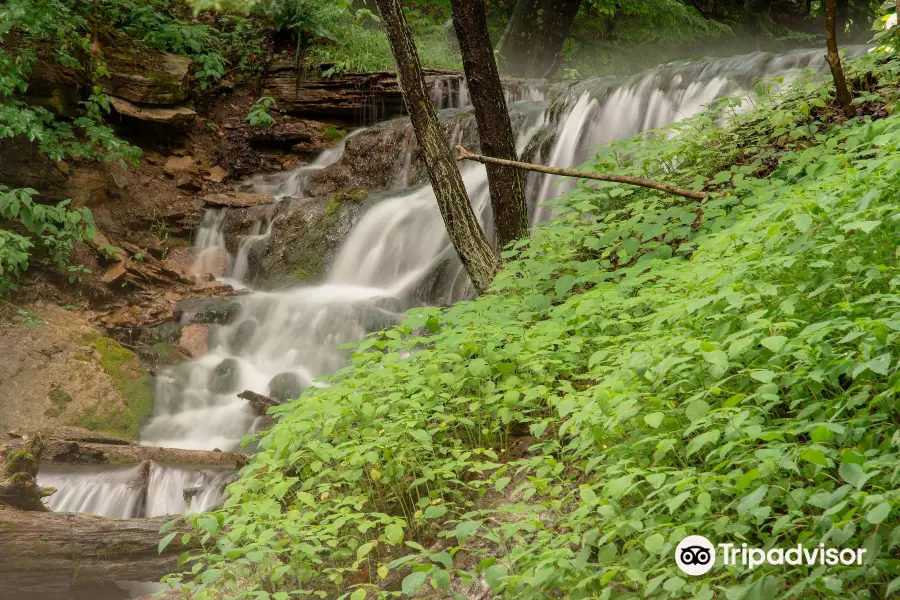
[645, 367]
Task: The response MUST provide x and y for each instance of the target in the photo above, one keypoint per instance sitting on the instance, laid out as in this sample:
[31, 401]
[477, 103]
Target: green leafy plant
[259, 113]
[46, 230]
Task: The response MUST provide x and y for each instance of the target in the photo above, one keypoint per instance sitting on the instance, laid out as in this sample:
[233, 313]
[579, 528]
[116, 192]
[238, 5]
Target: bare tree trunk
[476, 254]
[535, 36]
[494, 128]
[834, 61]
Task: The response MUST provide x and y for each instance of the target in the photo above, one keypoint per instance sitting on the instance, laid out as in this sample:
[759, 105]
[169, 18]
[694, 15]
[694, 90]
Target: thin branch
[638, 181]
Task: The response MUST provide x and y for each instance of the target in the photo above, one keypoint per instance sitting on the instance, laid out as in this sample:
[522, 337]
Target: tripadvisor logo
[696, 555]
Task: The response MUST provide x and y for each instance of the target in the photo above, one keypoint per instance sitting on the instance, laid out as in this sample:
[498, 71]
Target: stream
[396, 256]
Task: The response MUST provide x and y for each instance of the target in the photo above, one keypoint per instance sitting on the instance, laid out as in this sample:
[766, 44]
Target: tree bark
[834, 61]
[42, 555]
[66, 452]
[638, 181]
[494, 128]
[19, 463]
[476, 254]
[535, 35]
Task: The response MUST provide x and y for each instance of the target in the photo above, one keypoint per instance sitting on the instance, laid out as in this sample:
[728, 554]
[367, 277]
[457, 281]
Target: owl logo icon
[695, 555]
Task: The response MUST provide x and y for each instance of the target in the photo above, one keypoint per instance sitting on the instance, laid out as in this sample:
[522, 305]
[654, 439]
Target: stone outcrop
[352, 97]
[141, 74]
[176, 116]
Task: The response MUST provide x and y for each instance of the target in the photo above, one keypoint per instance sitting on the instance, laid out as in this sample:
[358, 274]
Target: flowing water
[397, 256]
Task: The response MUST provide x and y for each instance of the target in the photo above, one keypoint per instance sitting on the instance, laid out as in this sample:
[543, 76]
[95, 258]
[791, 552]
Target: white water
[398, 255]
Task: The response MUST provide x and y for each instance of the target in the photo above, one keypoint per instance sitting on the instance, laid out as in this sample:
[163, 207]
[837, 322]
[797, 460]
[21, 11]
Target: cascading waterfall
[397, 256]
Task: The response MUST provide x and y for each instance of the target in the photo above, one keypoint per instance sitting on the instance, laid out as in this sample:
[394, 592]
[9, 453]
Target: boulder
[177, 116]
[285, 387]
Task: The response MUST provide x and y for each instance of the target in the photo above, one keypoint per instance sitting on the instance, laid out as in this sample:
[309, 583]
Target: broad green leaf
[878, 513]
[413, 582]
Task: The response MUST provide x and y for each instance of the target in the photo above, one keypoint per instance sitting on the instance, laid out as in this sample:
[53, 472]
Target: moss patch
[355, 195]
[131, 380]
[59, 398]
[166, 352]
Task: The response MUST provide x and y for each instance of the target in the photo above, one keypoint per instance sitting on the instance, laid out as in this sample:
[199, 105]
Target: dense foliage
[25, 226]
[646, 367]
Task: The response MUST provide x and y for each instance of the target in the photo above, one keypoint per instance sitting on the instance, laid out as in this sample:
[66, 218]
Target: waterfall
[397, 256]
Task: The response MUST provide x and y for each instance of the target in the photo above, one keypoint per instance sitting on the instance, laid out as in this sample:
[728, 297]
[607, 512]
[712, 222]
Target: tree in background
[477, 256]
[834, 60]
[534, 36]
[494, 128]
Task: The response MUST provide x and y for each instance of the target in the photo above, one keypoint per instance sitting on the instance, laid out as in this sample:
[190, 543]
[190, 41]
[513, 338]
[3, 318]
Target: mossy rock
[355, 196]
[131, 380]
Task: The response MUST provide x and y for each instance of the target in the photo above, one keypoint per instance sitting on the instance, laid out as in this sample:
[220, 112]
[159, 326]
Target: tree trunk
[535, 35]
[494, 128]
[66, 452]
[476, 254]
[834, 61]
[43, 555]
[19, 463]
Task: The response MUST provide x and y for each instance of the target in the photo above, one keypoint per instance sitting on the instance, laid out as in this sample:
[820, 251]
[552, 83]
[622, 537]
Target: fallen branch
[638, 181]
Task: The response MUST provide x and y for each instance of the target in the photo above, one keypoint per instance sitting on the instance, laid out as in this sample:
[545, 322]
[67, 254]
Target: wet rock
[242, 336]
[164, 333]
[237, 200]
[225, 377]
[286, 386]
[175, 116]
[213, 261]
[213, 311]
[194, 340]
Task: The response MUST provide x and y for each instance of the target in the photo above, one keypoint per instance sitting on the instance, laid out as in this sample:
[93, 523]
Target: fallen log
[43, 555]
[69, 452]
[627, 180]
